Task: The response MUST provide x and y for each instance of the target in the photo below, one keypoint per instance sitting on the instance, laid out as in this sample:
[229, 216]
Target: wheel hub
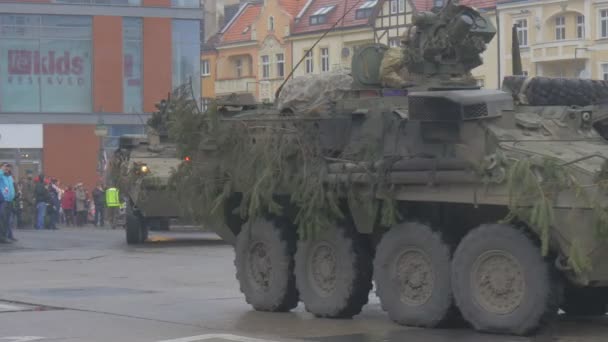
[414, 274]
[322, 269]
[498, 282]
[260, 265]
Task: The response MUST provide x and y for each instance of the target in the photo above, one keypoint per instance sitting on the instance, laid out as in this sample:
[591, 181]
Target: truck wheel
[501, 282]
[412, 275]
[264, 265]
[584, 301]
[135, 230]
[334, 273]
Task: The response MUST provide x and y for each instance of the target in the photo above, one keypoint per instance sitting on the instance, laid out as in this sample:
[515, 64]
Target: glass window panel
[185, 3]
[100, 2]
[132, 64]
[65, 83]
[19, 76]
[186, 53]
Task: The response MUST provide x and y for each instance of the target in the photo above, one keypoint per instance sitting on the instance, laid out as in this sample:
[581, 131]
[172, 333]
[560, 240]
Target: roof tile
[292, 7]
[240, 29]
[426, 5]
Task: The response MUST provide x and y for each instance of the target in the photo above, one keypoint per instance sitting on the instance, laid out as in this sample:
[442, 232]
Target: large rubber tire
[546, 91]
[264, 265]
[135, 230]
[334, 272]
[581, 301]
[412, 275]
[501, 282]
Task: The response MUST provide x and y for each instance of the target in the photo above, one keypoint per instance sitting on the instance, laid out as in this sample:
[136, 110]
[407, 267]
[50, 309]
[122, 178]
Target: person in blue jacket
[7, 189]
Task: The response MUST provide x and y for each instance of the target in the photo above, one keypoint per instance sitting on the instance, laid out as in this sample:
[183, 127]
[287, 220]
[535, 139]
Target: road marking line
[228, 337]
[9, 307]
[22, 338]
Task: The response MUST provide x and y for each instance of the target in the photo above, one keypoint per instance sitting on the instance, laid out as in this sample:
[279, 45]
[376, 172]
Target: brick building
[67, 65]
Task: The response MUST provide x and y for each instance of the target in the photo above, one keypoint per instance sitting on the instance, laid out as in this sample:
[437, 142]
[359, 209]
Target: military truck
[144, 164]
[453, 200]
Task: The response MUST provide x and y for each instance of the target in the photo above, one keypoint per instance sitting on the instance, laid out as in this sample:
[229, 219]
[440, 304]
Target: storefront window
[45, 63]
[110, 143]
[132, 75]
[186, 54]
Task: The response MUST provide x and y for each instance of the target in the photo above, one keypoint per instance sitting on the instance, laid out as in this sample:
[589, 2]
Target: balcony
[245, 84]
[559, 50]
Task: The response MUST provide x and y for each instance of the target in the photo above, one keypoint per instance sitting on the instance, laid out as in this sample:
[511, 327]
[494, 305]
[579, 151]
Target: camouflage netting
[393, 72]
[545, 91]
[314, 95]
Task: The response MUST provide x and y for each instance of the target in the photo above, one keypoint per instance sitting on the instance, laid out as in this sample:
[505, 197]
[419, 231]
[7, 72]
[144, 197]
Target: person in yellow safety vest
[113, 204]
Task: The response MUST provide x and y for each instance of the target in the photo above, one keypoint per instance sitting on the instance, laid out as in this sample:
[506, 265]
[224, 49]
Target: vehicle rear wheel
[264, 265]
[334, 272]
[582, 301]
[412, 275]
[501, 282]
[135, 230]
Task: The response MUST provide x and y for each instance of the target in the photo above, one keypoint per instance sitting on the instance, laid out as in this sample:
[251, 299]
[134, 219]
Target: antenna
[293, 70]
[516, 55]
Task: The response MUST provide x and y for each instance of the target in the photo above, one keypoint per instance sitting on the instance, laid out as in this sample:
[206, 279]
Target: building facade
[556, 38]
[253, 54]
[336, 49]
[69, 65]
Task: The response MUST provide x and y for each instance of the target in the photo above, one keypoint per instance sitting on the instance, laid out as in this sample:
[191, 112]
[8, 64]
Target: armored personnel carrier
[142, 167]
[450, 198]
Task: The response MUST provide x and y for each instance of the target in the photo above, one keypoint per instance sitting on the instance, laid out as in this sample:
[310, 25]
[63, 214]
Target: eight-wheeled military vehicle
[143, 166]
[451, 198]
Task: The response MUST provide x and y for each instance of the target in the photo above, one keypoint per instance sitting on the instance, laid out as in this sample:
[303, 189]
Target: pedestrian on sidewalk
[53, 207]
[7, 188]
[81, 205]
[42, 200]
[99, 200]
[68, 202]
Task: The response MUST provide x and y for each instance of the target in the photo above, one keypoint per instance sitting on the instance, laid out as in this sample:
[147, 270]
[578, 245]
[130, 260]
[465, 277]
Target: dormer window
[365, 11]
[320, 16]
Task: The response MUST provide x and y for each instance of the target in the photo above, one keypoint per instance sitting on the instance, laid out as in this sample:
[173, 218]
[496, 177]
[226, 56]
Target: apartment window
[320, 16]
[205, 70]
[265, 67]
[605, 71]
[324, 59]
[560, 28]
[280, 65]
[580, 26]
[365, 11]
[522, 31]
[604, 23]
[186, 3]
[238, 64]
[205, 103]
[309, 62]
[397, 6]
[394, 42]
[271, 23]
[438, 3]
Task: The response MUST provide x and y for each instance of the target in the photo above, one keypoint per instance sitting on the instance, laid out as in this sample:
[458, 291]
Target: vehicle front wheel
[501, 282]
[334, 272]
[264, 264]
[412, 275]
[135, 230]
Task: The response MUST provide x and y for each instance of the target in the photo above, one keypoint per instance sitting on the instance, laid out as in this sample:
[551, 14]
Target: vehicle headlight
[144, 169]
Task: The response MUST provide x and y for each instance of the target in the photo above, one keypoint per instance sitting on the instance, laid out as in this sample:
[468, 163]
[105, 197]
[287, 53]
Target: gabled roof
[240, 27]
[292, 7]
[340, 7]
[426, 5]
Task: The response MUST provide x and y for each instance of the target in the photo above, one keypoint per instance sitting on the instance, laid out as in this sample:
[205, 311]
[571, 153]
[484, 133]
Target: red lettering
[63, 64]
[77, 65]
[19, 62]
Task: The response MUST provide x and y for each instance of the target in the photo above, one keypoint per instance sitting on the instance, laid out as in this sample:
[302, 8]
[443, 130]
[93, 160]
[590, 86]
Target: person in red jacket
[68, 202]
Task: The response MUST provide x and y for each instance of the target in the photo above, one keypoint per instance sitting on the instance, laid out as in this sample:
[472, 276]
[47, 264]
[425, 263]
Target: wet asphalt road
[87, 285]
